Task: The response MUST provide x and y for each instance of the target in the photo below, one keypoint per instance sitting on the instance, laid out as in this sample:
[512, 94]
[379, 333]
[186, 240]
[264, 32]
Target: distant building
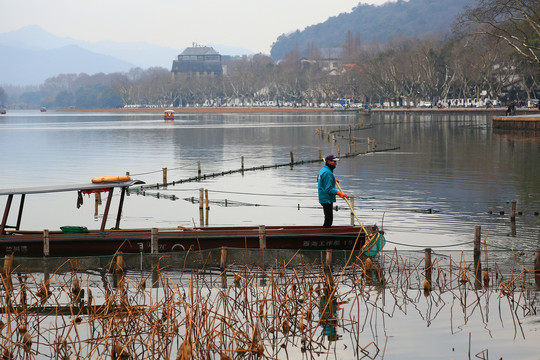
[198, 61]
[327, 59]
[330, 59]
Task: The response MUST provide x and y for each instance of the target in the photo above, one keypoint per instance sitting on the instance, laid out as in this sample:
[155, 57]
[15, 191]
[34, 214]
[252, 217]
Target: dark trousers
[328, 215]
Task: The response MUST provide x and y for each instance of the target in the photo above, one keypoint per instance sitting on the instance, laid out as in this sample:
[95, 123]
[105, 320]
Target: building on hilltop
[198, 61]
[330, 59]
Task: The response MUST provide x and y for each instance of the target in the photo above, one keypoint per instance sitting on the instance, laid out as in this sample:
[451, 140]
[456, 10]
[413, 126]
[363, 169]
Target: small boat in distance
[2, 111]
[43, 109]
[169, 115]
[78, 240]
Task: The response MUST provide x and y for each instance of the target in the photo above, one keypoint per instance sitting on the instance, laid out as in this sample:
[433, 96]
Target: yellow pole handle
[352, 210]
[369, 244]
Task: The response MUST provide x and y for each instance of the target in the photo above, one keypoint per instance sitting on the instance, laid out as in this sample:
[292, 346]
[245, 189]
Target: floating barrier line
[254, 168]
[158, 171]
[256, 194]
[354, 128]
[194, 199]
[245, 193]
[362, 198]
[194, 163]
[228, 202]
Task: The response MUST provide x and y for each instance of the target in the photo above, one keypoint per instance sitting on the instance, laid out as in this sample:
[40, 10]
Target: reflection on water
[329, 306]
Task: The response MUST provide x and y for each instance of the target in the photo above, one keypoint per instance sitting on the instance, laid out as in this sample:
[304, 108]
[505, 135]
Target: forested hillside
[373, 23]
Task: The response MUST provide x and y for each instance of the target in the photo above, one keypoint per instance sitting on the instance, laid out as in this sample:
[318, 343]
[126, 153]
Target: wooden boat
[169, 115]
[71, 241]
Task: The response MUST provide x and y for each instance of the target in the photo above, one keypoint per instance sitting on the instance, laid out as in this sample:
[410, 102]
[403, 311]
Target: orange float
[108, 179]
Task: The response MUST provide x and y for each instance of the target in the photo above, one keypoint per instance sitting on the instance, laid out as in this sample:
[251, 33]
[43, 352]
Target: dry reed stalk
[194, 320]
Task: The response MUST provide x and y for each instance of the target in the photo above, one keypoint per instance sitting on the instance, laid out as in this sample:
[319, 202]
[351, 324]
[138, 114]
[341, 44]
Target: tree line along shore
[496, 110]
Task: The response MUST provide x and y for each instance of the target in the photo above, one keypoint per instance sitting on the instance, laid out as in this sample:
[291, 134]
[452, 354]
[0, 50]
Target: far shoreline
[206, 110]
[217, 110]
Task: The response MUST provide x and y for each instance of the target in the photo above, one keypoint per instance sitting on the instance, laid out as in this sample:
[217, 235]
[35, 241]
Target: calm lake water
[452, 172]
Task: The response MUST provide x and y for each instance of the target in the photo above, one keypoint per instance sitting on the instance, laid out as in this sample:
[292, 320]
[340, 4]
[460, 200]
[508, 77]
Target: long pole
[352, 210]
[370, 242]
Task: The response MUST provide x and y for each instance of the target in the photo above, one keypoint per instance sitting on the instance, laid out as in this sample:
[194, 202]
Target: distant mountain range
[374, 23]
[30, 55]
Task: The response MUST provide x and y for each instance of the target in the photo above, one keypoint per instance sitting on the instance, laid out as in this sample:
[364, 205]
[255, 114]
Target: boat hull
[184, 239]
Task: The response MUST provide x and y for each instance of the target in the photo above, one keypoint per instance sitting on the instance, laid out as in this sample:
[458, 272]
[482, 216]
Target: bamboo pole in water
[223, 258]
[207, 206]
[46, 243]
[201, 206]
[537, 269]
[351, 199]
[477, 254]
[165, 177]
[119, 264]
[154, 241]
[96, 203]
[428, 268]
[329, 258]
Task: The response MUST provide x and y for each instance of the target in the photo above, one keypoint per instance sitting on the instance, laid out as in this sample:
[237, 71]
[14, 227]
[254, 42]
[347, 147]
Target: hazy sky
[251, 24]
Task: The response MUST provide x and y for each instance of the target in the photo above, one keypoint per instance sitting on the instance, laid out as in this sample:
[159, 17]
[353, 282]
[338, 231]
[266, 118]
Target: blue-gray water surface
[451, 172]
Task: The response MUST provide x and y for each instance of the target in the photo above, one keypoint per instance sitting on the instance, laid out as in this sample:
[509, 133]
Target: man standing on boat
[327, 189]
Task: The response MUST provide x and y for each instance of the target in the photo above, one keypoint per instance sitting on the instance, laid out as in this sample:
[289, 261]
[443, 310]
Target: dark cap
[331, 157]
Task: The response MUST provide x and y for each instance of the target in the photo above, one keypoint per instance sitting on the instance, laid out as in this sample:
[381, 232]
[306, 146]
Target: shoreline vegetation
[297, 110]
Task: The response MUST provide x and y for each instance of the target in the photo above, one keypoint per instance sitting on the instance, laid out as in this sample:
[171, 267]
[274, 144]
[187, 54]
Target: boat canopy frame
[89, 187]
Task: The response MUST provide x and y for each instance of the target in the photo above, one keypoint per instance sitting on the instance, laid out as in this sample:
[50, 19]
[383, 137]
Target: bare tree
[530, 79]
[124, 88]
[517, 22]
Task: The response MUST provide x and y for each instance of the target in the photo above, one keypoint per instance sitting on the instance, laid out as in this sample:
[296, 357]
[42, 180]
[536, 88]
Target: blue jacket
[327, 185]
